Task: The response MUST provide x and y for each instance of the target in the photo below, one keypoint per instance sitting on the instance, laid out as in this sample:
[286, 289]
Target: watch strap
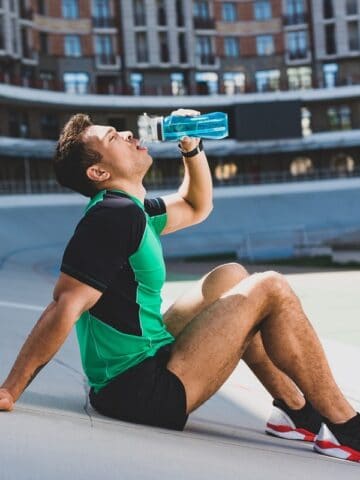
[199, 148]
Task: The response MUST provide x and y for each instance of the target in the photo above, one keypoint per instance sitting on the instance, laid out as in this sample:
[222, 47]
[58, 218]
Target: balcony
[298, 54]
[103, 22]
[107, 60]
[204, 23]
[207, 59]
[26, 13]
[296, 19]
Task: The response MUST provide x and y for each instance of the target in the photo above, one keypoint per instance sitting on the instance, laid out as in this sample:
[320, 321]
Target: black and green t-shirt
[116, 249]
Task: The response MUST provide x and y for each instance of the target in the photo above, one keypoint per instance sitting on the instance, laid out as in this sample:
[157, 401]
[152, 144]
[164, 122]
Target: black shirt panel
[104, 239]
[117, 307]
[154, 206]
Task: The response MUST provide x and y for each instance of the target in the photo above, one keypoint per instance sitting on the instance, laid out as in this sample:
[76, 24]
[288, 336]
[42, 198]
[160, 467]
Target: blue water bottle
[174, 127]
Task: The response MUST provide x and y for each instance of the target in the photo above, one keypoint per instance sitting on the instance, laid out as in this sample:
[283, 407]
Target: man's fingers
[183, 112]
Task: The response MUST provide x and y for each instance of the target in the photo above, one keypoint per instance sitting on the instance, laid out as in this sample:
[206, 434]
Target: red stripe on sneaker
[354, 455]
[308, 436]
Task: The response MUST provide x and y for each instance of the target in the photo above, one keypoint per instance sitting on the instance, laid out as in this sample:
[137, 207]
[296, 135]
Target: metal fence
[30, 185]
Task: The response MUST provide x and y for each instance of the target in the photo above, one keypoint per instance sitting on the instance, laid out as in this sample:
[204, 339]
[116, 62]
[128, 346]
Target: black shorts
[147, 393]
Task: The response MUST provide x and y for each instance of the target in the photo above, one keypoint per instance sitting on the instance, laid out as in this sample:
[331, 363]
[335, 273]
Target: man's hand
[187, 143]
[6, 400]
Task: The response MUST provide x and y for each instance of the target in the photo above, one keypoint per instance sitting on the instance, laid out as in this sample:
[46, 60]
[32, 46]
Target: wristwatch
[193, 152]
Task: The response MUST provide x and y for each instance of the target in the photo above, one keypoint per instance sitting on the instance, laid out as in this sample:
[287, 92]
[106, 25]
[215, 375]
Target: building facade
[176, 47]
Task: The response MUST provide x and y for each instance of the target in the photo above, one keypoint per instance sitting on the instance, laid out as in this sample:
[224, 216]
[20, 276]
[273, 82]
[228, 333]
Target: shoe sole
[327, 444]
[337, 451]
[283, 431]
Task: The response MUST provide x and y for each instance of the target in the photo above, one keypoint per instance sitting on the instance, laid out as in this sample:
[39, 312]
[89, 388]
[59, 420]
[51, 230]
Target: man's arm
[71, 299]
[193, 201]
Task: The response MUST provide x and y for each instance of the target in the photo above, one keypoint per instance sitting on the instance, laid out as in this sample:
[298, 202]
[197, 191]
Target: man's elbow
[203, 214]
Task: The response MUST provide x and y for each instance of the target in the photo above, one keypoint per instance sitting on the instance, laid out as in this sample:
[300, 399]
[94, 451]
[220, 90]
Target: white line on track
[22, 306]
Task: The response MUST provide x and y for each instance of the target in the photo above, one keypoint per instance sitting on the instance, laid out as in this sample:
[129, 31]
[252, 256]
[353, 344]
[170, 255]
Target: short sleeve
[156, 209]
[102, 243]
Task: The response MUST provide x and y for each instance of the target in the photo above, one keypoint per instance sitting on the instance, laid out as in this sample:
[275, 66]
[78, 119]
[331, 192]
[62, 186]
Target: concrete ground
[53, 433]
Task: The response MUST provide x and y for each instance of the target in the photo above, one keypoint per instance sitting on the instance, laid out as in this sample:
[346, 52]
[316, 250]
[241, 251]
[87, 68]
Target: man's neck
[137, 191]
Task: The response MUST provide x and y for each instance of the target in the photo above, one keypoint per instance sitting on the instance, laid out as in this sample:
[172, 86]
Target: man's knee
[275, 284]
[223, 278]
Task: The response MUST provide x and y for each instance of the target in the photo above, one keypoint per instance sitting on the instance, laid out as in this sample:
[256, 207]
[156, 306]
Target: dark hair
[73, 156]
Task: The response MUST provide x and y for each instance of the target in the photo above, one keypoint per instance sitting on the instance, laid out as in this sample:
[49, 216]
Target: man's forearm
[196, 187]
[43, 342]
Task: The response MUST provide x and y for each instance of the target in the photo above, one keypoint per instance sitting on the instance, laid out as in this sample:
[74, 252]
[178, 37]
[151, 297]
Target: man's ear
[97, 174]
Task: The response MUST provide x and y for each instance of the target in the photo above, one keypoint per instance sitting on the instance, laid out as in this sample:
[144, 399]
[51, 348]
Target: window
[41, 7]
[330, 73]
[295, 12]
[49, 126]
[70, 9]
[182, 48]
[353, 36]
[231, 47]
[262, 10]
[234, 82]
[177, 84]
[225, 171]
[339, 117]
[330, 39]
[72, 46]
[164, 47]
[229, 13]
[342, 163]
[204, 50]
[76, 82]
[141, 47]
[44, 45]
[299, 78]
[161, 12]
[139, 12]
[306, 122]
[136, 81]
[351, 7]
[47, 79]
[2, 33]
[101, 8]
[297, 44]
[328, 9]
[301, 166]
[14, 37]
[179, 13]
[267, 80]
[207, 83]
[265, 45]
[104, 49]
[201, 9]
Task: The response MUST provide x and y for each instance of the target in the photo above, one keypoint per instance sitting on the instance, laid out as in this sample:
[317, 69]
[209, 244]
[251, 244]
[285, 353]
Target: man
[147, 368]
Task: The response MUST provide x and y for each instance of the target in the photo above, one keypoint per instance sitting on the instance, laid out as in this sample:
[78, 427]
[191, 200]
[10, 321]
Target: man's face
[121, 155]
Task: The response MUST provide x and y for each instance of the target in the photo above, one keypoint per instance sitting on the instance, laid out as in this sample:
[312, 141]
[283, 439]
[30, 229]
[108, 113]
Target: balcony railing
[107, 59]
[298, 54]
[204, 23]
[26, 13]
[103, 22]
[296, 18]
[207, 59]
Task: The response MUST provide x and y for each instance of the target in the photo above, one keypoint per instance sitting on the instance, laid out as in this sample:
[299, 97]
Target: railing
[106, 59]
[207, 59]
[103, 22]
[26, 13]
[296, 18]
[204, 23]
[298, 54]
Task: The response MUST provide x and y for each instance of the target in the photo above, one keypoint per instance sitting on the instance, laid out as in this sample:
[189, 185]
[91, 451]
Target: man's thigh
[202, 294]
[212, 343]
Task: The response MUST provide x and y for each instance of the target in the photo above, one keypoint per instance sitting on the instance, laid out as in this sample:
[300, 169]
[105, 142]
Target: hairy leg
[210, 346]
[207, 291]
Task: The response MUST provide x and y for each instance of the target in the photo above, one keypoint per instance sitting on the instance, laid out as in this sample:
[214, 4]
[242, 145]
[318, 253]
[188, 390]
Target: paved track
[54, 434]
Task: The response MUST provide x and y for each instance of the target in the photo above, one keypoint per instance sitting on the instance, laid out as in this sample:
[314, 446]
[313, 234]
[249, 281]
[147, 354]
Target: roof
[18, 147]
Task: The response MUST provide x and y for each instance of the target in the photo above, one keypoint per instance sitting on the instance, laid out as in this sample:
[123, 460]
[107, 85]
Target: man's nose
[127, 135]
